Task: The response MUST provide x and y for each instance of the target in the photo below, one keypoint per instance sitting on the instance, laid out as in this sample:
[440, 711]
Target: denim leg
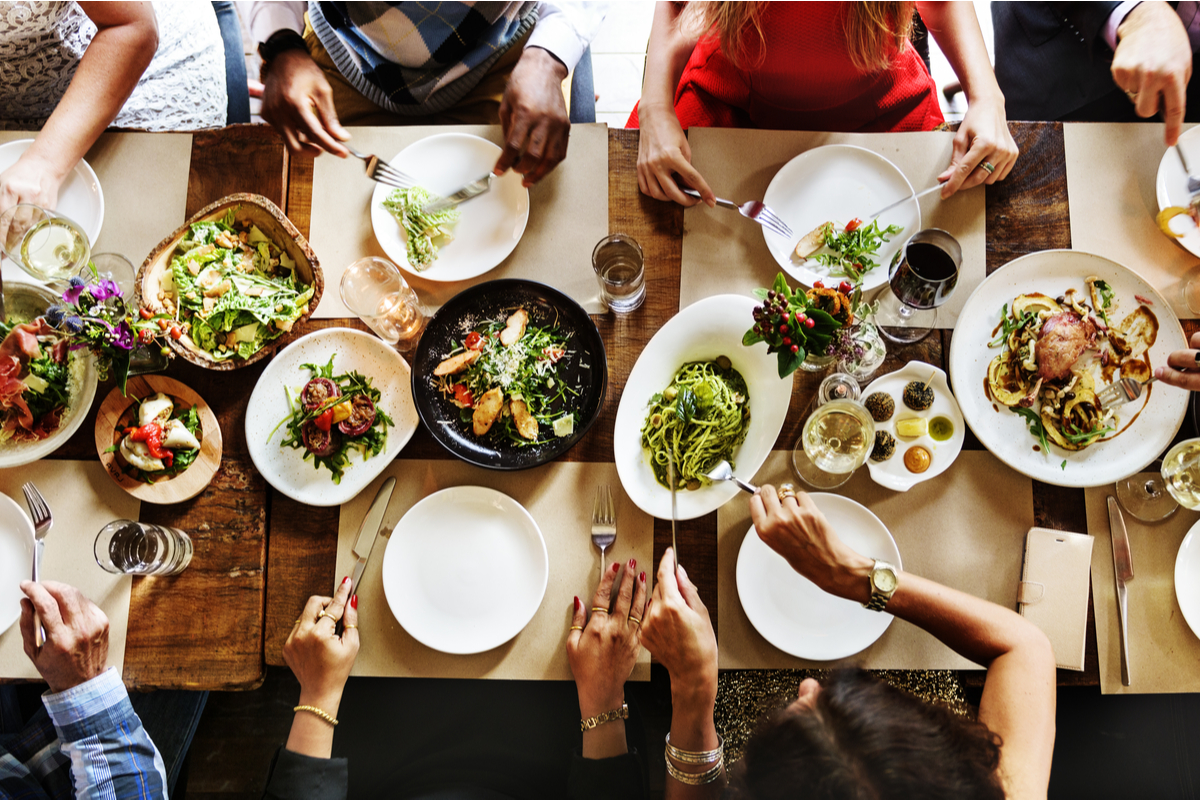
[583, 90]
[235, 63]
[170, 718]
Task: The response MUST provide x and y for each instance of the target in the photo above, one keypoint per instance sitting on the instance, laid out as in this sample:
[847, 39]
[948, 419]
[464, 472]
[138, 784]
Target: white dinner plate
[284, 467]
[701, 332]
[16, 559]
[791, 612]
[838, 183]
[1155, 418]
[892, 473]
[465, 570]
[79, 198]
[490, 225]
[1187, 579]
[1170, 187]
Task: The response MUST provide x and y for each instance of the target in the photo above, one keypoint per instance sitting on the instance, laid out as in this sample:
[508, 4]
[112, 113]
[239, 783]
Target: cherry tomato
[146, 313]
[858, 267]
[176, 332]
[145, 336]
[474, 341]
[553, 352]
[463, 395]
[324, 420]
[853, 224]
[818, 284]
[844, 287]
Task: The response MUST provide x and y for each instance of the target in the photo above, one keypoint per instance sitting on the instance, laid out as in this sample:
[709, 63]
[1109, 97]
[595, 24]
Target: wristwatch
[280, 41]
[883, 585]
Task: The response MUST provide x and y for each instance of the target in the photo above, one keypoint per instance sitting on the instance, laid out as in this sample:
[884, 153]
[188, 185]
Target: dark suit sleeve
[298, 777]
[616, 778]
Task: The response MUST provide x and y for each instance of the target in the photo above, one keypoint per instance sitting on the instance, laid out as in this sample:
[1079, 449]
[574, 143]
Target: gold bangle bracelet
[696, 778]
[325, 715]
[695, 757]
[586, 725]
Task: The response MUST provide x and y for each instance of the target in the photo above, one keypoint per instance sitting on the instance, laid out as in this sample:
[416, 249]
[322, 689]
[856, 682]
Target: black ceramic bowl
[585, 366]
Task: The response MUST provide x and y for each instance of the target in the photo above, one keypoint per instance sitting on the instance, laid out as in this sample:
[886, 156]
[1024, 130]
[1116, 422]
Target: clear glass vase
[817, 363]
[862, 357]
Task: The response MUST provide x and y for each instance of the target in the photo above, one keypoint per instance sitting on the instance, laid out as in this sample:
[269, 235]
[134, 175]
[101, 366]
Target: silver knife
[472, 189]
[916, 196]
[371, 524]
[674, 508]
[1123, 570]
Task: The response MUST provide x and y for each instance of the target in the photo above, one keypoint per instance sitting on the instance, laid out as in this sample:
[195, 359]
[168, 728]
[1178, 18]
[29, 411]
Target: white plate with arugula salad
[322, 447]
[838, 184]
[472, 238]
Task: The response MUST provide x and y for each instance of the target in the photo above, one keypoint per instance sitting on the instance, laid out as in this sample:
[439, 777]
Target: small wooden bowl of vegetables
[239, 279]
[161, 442]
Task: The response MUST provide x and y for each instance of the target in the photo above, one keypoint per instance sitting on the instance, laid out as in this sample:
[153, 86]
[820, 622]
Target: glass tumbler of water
[621, 270]
[124, 546]
[374, 290]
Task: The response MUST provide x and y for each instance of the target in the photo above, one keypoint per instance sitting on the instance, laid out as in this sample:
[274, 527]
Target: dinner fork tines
[1192, 179]
[604, 522]
[1126, 390]
[380, 171]
[42, 520]
[754, 210]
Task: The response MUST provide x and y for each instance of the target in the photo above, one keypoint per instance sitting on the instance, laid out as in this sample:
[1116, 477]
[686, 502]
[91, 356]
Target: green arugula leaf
[1034, 423]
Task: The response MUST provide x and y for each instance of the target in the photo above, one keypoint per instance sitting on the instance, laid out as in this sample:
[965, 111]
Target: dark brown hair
[864, 740]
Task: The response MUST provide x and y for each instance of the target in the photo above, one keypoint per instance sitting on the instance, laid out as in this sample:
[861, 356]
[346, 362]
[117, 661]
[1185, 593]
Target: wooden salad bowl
[187, 484]
[153, 278]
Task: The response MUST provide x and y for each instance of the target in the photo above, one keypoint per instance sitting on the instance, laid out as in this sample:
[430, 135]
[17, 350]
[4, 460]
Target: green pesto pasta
[701, 419]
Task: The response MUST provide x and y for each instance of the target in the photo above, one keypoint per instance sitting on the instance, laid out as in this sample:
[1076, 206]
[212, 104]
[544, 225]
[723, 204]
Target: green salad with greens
[424, 233]
[235, 289]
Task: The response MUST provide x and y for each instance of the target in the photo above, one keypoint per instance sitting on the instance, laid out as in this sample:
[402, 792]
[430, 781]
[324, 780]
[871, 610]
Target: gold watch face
[884, 580]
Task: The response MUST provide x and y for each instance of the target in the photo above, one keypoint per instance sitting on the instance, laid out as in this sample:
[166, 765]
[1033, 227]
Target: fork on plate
[604, 522]
[380, 171]
[1192, 178]
[752, 209]
[1123, 391]
[42, 520]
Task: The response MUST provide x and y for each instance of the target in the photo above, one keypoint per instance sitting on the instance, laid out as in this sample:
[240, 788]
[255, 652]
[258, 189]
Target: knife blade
[674, 508]
[903, 200]
[367, 531]
[1123, 573]
[472, 189]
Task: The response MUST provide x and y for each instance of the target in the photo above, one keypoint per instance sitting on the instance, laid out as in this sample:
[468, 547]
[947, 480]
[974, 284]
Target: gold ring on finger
[325, 613]
[349, 626]
[576, 627]
[635, 620]
[785, 491]
[989, 167]
[1131, 95]
[598, 609]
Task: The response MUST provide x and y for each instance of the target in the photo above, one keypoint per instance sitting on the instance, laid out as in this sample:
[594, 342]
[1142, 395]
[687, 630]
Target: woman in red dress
[811, 66]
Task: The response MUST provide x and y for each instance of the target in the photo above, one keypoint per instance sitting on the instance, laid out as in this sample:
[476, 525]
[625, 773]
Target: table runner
[82, 498]
[568, 215]
[723, 253]
[965, 529]
[1164, 654]
[559, 496]
[1111, 172]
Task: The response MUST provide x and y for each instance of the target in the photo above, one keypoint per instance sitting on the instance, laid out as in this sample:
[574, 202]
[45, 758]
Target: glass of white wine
[836, 441]
[1154, 496]
[1181, 471]
[48, 246]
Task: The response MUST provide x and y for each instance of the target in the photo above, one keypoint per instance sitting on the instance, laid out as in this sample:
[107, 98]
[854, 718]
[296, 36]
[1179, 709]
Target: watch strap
[278, 42]
[879, 600]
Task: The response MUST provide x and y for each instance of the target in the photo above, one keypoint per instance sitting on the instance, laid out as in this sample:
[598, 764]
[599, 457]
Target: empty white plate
[1187, 579]
[465, 570]
[838, 183]
[791, 612]
[16, 559]
[490, 225]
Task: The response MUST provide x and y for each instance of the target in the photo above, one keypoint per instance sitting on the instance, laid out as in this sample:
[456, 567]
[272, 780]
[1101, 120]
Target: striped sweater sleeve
[112, 757]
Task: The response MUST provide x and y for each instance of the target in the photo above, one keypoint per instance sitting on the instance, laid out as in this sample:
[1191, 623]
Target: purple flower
[71, 295]
[74, 325]
[54, 316]
[123, 336]
[104, 290]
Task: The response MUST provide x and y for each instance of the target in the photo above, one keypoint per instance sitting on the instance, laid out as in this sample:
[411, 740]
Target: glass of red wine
[922, 276]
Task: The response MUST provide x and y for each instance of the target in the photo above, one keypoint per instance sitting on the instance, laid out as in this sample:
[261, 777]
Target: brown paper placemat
[1164, 654]
[559, 496]
[722, 256]
[1111, 171]
[568, 214]
[965, 529]
[144, 178]
[82, 498]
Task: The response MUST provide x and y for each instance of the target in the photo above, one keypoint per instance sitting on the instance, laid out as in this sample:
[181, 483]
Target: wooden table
[259, 555]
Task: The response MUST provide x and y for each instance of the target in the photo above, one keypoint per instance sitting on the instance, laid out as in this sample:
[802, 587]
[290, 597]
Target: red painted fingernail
[578, 605]
[642, 577]
[616, 566]
[354, 601]
[632, 563]
[345, 580]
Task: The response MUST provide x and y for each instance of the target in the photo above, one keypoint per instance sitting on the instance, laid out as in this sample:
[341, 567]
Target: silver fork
[754, 210]
[724, 472]
[1193, 180]
[380, 171]
[42, 520]
[1123, 391]
[604, 522]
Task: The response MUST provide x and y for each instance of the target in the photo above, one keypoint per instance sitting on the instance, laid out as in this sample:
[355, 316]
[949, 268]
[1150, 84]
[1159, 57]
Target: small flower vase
[815, 362]
[861, 350]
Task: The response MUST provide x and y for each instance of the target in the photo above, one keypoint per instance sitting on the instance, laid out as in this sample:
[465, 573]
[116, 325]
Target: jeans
[238, 109]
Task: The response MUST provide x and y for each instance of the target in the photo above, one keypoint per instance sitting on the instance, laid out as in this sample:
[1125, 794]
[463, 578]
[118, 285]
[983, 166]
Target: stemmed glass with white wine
[1153, 496]
[837, 438]
[48, 246]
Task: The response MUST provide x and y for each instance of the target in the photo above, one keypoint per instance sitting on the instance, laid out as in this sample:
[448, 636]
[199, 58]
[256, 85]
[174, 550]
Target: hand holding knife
[367, 531]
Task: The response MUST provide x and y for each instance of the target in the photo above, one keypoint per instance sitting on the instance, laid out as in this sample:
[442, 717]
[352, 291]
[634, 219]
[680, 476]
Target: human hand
[30, 180]
[678, 632]
[1183, 367]
[797, 530]
[983, 138]
[298, 103]
[319, 658]
[534, 117]
[76, 648]
[603, 654]
[663, 151]
[1153, 63]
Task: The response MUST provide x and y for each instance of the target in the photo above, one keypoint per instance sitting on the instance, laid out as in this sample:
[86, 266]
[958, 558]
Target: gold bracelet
[586, 725]
[696, 778]
[325, 715]
[695, 757]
